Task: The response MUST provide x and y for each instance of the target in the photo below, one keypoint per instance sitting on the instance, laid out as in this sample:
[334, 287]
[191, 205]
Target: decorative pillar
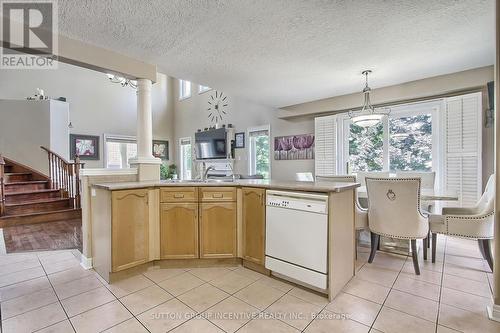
[147, 165]
[494, 310]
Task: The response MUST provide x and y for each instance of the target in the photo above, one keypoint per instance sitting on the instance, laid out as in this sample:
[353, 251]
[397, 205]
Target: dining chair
[361, 214]
[428, 181]
[362, 175]
[428, 178]
[468, 222]
[394, 211]
[361, 178]
[304, 177]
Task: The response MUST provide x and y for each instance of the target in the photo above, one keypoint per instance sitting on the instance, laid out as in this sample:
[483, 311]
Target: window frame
[117, 137]
[251, 163]
[434, 107]
[203, 89]
[181, 159]
[182, 89]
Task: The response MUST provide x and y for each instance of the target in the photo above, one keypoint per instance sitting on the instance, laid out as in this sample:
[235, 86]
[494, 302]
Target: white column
[144, 119]
[147, 164]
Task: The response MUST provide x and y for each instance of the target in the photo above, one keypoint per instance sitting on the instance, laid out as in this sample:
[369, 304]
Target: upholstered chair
[473, 222]
[361, 177]
[394, 211]
[428, 181]
[361, 214]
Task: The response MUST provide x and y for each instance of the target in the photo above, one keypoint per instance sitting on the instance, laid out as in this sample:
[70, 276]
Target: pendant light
[368, 116]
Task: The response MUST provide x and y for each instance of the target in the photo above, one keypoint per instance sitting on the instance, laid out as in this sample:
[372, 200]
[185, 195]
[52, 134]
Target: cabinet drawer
[179, 194]
[217, 194]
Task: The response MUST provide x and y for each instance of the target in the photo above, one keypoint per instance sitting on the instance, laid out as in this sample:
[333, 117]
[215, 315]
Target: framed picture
[294, 147]
[239, 140]
[85, 146]
[160, 149]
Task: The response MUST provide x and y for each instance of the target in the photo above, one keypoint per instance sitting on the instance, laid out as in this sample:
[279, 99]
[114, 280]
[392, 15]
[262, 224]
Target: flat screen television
[211, 144]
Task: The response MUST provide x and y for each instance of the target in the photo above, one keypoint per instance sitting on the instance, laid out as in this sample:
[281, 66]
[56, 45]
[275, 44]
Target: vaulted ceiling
[283, 52]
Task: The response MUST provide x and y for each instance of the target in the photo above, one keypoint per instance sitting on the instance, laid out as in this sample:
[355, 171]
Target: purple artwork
[294, 147]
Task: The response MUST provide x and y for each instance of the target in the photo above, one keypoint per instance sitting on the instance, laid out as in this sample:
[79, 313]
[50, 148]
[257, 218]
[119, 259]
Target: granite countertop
[324, 187]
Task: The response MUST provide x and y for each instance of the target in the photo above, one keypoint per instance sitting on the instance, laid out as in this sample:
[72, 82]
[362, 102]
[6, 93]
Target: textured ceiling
[282, 52]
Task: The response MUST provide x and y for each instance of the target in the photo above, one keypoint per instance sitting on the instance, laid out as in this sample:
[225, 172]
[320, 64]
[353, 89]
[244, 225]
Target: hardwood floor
[44, 236]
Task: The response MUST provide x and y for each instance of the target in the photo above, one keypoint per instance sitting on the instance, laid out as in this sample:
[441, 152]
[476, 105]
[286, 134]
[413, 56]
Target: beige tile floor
[50, 292]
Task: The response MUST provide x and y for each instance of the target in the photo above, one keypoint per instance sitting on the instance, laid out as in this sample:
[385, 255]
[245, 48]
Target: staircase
[31, 197]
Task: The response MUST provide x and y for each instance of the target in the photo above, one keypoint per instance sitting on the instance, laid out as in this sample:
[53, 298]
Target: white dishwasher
[297, 236]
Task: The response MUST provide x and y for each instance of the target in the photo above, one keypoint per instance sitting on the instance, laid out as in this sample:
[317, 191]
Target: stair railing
[65, 176]
[2, 186]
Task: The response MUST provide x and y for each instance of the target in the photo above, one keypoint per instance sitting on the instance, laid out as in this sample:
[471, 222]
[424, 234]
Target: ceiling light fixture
[121, 80]
[368, 116]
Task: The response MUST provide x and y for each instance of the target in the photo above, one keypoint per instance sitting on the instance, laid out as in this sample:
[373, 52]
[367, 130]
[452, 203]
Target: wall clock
[217, 107]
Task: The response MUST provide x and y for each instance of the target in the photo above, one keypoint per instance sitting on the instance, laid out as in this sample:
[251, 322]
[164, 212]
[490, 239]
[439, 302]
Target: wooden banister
[65, 176]
[2, 186]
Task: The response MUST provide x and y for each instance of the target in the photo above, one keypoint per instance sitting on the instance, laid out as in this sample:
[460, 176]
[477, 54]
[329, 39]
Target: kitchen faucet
[206, 172]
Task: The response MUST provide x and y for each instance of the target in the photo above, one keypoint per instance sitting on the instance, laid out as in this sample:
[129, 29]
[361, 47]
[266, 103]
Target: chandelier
[368, 116]
[121, 80]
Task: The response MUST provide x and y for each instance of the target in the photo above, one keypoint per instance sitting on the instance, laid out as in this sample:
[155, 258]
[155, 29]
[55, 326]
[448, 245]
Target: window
[186, 159]
[410, 142]
[184, 89]
[259, 151]
[202, 89]
[444, 136]
[118, 150]
[406, 140]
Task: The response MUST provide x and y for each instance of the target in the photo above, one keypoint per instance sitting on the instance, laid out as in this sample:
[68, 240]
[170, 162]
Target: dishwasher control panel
[299, 201]
[278, 202]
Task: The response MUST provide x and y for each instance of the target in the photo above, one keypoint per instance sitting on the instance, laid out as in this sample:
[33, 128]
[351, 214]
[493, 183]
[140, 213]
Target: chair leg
[481, 249]
[434, 246]
[415, 256]
[425, 245]
[486, 251]
[428, 239]
[375, 239]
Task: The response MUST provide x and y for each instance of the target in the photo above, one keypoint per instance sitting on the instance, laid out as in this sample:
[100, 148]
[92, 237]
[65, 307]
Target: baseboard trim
[86, 262]
[494, 312]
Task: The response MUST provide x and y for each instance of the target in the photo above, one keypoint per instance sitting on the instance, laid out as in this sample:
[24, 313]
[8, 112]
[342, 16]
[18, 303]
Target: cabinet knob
[178, 195]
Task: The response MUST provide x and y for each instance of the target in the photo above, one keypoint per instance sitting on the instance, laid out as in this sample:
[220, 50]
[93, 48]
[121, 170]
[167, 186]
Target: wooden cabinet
[179, 194]
[254, 224]
[129, 228]
[218, 229]
[217, 194]
[179, 231]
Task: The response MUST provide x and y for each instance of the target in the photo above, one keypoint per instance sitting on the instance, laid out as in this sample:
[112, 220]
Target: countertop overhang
[324, 187]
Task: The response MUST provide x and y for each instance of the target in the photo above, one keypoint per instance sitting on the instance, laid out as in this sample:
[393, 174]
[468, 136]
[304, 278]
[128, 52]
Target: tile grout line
[196, 312]
[387, 296]
[57, 296]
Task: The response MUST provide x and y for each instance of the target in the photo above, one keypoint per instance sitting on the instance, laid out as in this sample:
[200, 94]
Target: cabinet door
[130, 228]
[179, 231]
[254, 224]
[218, 230]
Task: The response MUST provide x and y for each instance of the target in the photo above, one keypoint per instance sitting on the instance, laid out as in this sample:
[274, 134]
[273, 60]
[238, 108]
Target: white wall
[24, 127]
[97, 106]
[191, 114]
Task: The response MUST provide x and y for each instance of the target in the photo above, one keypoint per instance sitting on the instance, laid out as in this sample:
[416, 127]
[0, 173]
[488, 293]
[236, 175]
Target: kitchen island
[205, 223]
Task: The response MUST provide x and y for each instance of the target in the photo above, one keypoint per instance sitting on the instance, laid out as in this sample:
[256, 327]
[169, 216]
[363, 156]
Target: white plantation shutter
[325, 158]
[462, 147]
